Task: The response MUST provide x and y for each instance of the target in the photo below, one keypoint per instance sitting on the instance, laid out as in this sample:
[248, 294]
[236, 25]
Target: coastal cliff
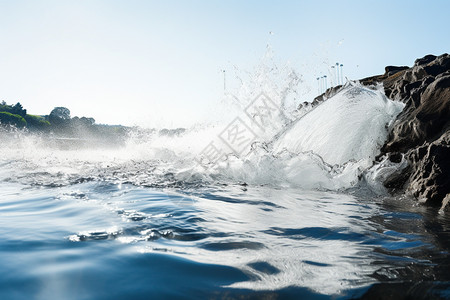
[421, 132]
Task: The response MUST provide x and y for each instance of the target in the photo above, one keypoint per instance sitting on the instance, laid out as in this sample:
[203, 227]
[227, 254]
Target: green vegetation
[17, 116]
[16, 109]
[7, 118]
[37, 122]
[59, 123]
[60, 117]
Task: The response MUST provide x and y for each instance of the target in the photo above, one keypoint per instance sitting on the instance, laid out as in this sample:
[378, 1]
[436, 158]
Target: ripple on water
[264, 267]
[293, 244]
[226, 246]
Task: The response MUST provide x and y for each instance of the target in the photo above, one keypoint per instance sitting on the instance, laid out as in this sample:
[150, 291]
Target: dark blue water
[102, 239]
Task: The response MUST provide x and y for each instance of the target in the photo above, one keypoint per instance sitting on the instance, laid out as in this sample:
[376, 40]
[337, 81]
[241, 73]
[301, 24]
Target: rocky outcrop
[422, 131]
[330, 92]
[430, 180]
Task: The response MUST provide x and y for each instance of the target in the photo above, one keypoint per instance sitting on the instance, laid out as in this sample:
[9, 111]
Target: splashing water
[351, 126]
[279, 218]
[327, 148]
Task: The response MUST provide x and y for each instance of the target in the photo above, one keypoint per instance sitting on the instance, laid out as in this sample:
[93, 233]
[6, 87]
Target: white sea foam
[350, 126]
[328, 148]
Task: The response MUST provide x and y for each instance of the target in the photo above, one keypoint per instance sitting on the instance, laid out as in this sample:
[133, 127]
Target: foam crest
[352, 125]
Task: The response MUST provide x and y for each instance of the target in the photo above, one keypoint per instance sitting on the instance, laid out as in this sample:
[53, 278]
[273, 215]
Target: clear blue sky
[160, 62]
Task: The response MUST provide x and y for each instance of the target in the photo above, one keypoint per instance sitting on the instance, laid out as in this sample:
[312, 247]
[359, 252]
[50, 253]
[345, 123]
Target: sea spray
[327, 147]
[165, 160]
[352, 125]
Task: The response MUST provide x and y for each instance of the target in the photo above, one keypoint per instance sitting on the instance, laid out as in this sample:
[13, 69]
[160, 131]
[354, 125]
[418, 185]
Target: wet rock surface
[330, 92]
[430, 180]
[422, 131]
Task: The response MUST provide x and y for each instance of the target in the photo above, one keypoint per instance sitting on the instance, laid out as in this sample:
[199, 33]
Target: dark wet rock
[395, 157]
[304, 105]
[422, 130]
[391, 70]
[438, 66]
[430, 180]
[425, 122]
[330, 92]
[424, 60]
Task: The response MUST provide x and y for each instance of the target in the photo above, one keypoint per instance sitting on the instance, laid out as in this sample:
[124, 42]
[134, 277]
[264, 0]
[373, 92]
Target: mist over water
[326, 149]
[297, 211]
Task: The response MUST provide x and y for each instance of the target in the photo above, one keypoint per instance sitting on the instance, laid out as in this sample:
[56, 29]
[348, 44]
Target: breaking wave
[327, 148]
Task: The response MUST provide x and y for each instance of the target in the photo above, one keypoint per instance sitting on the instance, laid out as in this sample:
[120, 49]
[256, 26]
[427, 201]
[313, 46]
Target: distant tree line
[59, 122]
[16, 115]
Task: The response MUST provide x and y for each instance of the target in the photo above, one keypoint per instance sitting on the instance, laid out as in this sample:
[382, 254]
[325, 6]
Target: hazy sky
[159, 62]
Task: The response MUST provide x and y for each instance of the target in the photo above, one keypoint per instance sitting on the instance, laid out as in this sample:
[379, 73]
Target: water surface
[100, 240]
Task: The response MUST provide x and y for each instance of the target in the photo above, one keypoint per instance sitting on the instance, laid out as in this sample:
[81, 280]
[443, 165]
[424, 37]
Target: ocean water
[300, 214]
